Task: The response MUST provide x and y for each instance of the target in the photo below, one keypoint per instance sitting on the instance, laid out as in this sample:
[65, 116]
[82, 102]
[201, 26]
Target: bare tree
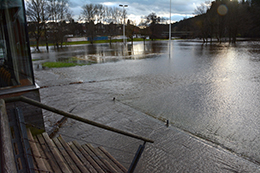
[255, 8]
[63, 15]
[152, 20]
[100, 13]
[58, 13]
[203, 23]
[233, 20]
[36, 16]
[114, 14]
[96, 13]
[111, 30]
[130, 30]
[89, 12]
[202, 8]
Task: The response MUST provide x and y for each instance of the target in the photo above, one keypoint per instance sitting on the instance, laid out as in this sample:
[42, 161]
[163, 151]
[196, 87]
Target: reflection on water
[101, 53]
[209, 90]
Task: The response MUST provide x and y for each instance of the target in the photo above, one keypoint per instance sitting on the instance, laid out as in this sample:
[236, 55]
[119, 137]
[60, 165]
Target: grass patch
[36, 59]
[76, 42]
[88, 42]
[67, 62]
[61, 64]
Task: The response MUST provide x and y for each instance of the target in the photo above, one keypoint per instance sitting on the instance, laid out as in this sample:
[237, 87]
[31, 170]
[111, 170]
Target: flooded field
[210, 91]
[101, 53]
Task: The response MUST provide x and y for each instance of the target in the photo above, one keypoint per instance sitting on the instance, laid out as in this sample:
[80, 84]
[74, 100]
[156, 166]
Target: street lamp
[170, 30]
[170, 27]
[124, 21]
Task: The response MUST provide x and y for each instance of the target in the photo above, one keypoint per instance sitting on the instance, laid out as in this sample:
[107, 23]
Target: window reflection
[15, 60]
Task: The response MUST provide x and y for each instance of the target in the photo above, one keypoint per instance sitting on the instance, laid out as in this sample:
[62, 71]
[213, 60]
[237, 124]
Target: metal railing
[84, 120]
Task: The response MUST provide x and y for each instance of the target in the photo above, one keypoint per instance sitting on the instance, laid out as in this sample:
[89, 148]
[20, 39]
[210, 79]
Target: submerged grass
[62, 64]
[36, 59]
[69, 62]
[58, 64]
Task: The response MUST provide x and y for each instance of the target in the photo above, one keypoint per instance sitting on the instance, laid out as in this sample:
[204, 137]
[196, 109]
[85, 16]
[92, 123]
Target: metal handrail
[75, 117]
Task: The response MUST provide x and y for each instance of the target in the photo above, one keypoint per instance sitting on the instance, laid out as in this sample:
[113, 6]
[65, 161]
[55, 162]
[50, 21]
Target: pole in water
[167, 123]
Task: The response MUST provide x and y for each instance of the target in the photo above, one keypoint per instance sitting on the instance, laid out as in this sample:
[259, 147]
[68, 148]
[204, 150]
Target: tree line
[40, 12]
[49, 21]
[224, 19]
[52, 20]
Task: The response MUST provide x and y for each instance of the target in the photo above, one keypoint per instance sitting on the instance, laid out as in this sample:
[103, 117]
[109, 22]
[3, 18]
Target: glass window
[15, 58]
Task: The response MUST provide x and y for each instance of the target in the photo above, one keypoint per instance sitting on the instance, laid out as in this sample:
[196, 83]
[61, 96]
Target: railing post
[136, 158]
[24, 137]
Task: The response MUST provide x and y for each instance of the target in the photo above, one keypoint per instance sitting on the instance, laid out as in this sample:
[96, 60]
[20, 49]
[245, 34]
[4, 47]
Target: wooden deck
[55, 155]
[22, 152]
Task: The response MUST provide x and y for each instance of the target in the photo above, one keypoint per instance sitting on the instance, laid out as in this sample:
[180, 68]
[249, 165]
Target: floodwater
[208, 90]
[100, 53]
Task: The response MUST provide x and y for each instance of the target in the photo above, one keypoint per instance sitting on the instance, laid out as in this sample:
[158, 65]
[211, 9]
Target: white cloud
[109, 3]
[138, 8]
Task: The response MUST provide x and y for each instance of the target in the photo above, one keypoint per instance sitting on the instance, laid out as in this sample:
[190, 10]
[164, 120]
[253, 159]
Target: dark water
[211, 91]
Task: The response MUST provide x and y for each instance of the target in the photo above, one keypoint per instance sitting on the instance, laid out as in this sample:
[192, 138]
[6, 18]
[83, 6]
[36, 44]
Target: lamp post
[124, 21]
[170, 30]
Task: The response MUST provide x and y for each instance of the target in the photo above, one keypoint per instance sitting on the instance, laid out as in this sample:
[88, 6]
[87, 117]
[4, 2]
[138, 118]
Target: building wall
[32, 115]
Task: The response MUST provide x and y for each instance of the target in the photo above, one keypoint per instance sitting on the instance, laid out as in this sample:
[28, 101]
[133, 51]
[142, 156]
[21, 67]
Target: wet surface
[210, 91]
[97, 53]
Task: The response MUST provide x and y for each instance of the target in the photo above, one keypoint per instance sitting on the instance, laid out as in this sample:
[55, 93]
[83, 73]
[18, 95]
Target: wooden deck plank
[96, 158]
[34, 164]
[107, 159]
[49, 154]
[39, 163]
[55, 155]
[94, 166]
[73, 156]
[66, 156]
[58, 157]
[43, 155]
[113, 159]
[80, 156]
[102, 158]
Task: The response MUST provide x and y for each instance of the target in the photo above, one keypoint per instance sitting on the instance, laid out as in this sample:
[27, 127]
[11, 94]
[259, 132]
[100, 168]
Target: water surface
[211, 91]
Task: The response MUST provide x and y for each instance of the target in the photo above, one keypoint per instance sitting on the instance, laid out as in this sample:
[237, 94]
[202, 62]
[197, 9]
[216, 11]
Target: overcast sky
[138, 8]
